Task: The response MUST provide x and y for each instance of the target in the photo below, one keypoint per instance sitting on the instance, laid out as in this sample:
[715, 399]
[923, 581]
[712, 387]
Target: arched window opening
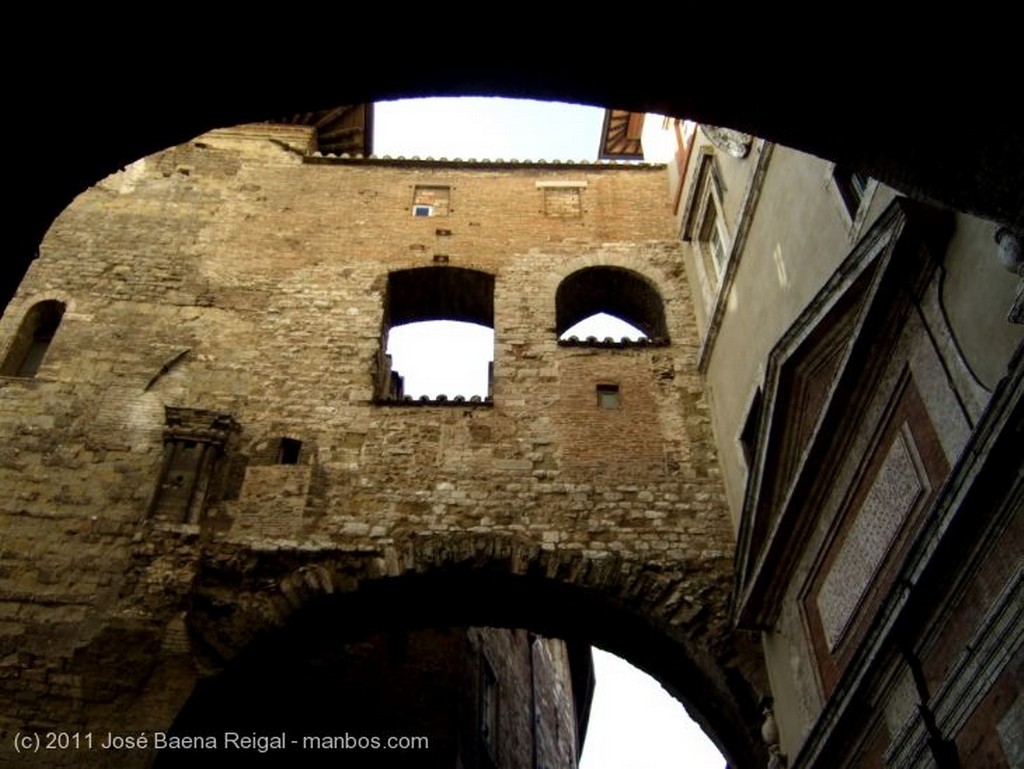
[38, 328]
[438, 336]
[589, 302]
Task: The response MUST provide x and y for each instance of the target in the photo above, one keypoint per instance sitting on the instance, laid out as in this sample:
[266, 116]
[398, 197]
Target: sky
[634, 722]
[486, 129]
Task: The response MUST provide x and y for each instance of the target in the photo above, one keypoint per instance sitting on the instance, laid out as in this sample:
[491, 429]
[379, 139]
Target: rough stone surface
[233, 276]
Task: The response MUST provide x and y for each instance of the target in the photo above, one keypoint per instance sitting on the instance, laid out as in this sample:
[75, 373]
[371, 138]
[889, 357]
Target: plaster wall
[799, 235]
[797, 239]
[977, 292]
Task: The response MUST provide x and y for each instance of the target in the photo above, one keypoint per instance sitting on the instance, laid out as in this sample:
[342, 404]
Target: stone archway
[252, 610]
[286, 582]
[894, 133]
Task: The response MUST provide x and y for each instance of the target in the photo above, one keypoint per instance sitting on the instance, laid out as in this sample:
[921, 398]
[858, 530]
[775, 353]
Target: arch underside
[254, 615]
[439, 293]
[901, 141]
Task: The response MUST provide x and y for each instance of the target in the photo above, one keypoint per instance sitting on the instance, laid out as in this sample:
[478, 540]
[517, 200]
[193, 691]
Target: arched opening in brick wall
[419, 306]
[615, 292]
[286, 652]
[30, 345]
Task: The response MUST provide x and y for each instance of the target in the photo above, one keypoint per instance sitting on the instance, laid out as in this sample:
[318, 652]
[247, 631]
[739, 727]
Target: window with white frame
[712, 238]
[705, 225]
[431, 200]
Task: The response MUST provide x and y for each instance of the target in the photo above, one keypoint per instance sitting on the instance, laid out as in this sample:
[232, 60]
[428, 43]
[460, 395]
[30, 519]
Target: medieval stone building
[795, 501]
[212, 468]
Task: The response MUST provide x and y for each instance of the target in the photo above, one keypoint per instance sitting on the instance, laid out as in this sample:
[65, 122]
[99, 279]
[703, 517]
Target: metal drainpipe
[943, 751]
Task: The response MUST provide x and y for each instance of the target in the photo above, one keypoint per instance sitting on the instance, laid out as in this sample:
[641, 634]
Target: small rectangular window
[608, 396]
[711, 237]
[431, 200]
[288, 454]
[852, 187]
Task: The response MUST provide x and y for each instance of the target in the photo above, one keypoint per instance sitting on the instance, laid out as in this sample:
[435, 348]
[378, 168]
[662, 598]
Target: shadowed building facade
[862, 354]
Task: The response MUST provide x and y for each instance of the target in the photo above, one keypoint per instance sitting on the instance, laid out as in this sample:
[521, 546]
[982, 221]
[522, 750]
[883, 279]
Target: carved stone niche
[733, 143]
[194, 441]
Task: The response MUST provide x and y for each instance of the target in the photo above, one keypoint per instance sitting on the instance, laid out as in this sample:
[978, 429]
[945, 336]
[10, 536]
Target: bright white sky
[486, 128]
[634, 723]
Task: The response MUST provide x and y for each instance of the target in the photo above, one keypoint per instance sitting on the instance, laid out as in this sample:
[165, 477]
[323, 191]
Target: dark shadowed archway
[903, 131]
[258, 620]
[439, 293]
[249, 607]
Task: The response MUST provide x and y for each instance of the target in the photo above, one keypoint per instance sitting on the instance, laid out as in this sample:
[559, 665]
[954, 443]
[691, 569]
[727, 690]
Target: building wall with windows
[216, 446]
[863, 374]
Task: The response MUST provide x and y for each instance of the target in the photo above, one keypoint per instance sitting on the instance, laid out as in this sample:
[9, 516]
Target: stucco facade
[863, 376]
